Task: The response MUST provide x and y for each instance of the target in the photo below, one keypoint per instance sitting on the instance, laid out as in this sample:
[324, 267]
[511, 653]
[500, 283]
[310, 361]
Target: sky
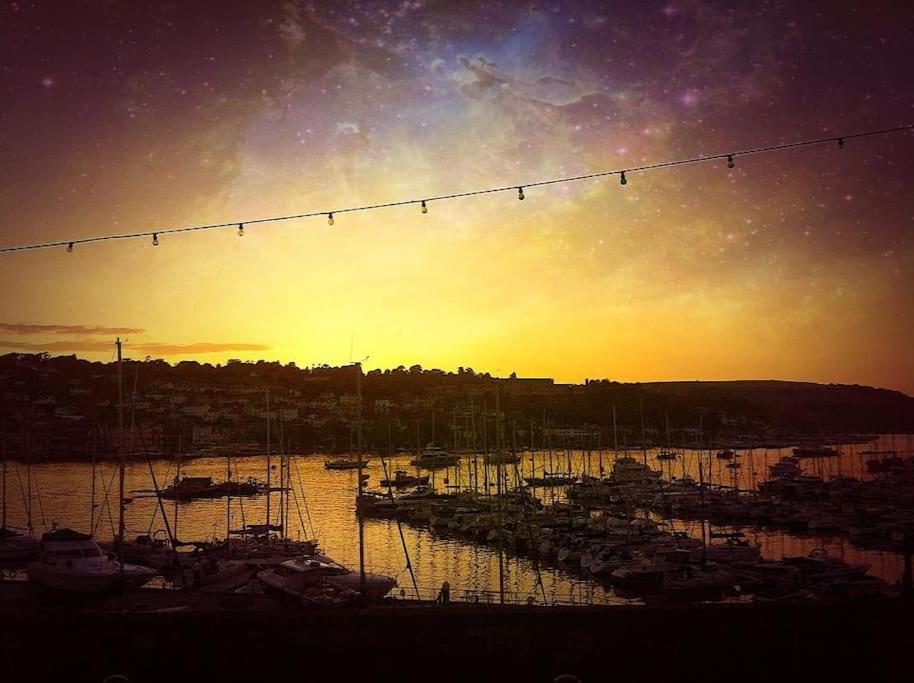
[120, 116]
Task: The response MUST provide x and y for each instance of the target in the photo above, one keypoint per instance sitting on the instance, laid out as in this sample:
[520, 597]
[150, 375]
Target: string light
[424, 207]
[730, 162]
[241, 230]
[70, 248]
[729, 156]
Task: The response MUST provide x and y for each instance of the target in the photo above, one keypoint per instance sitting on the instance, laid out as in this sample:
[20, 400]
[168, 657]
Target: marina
[451, 535]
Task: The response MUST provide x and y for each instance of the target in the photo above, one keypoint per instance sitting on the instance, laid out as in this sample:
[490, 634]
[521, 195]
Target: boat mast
[269, 463]
[704, 509]
[282, 502]
[358, 392]
[28, 477]
[122, 456]
[3, 447]
[615, 437]
[3, 485]
[228, 499]
[91, 496]
[501, 554]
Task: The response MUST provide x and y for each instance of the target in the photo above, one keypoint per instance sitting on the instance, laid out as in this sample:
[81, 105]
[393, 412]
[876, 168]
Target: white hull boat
[73, 562]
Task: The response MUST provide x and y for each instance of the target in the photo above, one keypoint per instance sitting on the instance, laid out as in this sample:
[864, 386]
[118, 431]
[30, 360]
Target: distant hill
[64, 405]
[800, 406]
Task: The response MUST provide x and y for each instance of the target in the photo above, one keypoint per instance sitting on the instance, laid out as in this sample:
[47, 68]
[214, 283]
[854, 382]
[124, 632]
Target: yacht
[345, 464]
[401, 480]
[627, 470]
[299, 577]
[71, 561]
[433, 457]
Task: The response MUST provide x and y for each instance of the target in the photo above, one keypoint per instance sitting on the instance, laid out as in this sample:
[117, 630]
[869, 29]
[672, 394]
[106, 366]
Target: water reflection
[323, 504]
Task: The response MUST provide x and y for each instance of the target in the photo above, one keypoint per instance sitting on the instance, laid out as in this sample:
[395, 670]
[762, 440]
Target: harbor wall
[465, 643]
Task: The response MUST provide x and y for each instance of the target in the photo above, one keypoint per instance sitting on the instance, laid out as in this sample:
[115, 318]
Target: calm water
[61, 495]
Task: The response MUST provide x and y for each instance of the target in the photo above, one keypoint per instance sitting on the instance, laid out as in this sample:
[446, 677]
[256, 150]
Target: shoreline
[777, 444]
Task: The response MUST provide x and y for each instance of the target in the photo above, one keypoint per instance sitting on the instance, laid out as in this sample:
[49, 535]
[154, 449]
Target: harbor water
[322, 505]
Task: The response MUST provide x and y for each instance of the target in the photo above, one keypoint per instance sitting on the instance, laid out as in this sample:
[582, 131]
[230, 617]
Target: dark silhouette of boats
[189, 488]
[345, 464]
[551, 479]
[434, 457]
[402, 480]
[665, 454]
[814, 452]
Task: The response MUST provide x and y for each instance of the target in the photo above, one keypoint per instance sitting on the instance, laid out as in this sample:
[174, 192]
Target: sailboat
[13, 545]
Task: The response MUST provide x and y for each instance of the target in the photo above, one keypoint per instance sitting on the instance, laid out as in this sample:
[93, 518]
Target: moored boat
[73, 562]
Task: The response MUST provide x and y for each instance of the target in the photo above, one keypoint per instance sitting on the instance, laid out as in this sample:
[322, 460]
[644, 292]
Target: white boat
[199, 571]
[434, 457]
[298, 577]
[73, 562]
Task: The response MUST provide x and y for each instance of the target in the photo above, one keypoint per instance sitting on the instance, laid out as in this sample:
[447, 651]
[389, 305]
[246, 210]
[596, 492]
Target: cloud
[34, 328]
[148, 348]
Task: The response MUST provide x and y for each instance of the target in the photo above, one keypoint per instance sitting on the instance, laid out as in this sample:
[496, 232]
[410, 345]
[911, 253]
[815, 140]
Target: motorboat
[401, 480]
[299, 577]
[345, 464]
[433, 457]
[73, 562]
[199, 571]
[627, 470]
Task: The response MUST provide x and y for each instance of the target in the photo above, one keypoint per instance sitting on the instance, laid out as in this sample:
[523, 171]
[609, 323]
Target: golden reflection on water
[325, 501]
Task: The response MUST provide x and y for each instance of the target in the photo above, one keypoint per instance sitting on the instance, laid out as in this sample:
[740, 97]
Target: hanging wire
[840, 140]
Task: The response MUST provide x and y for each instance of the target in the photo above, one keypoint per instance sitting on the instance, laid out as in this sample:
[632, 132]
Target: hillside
[65, 406]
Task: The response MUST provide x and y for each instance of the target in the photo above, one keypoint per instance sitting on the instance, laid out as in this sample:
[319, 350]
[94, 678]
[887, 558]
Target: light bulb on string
[730, 162]
[623, 180]
[424, 207]
[241, 230]
[520, 193]
[330, 220]
[155, 239]
[70, 248]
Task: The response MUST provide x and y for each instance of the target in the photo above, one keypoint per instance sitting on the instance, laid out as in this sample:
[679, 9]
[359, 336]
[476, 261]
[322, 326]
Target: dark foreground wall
[733, 643]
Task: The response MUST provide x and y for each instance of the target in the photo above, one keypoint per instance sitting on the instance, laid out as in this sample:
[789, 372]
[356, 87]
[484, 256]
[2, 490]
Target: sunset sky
[121, 116]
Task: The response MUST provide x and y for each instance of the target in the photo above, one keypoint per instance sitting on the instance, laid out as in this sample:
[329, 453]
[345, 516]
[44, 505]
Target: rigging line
[155, 510]
[304, 500]
[514, 187]
[44, 522]
[390, 493]
[301, 520]
[25, 502]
